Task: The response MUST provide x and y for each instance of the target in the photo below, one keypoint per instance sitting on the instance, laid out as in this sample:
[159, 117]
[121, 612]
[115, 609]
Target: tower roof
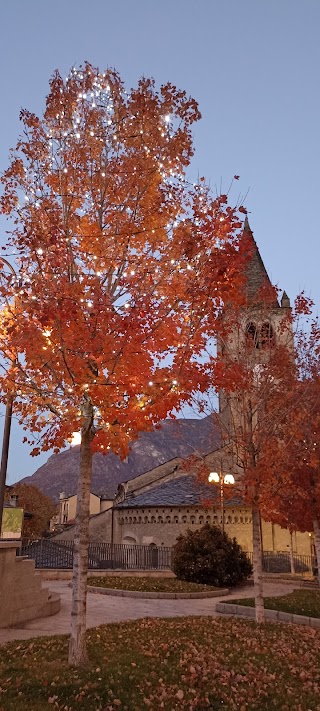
[285, 301]
[258, 282]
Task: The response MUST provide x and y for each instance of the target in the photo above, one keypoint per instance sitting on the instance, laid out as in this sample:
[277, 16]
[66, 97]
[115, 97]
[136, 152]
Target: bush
[210, 557]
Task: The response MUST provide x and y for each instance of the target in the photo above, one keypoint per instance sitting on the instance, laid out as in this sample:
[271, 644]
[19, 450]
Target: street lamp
[6, 432]
[222, 479]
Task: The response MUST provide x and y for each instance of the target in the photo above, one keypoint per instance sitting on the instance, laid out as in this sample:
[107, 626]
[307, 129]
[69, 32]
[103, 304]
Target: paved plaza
[102, 609]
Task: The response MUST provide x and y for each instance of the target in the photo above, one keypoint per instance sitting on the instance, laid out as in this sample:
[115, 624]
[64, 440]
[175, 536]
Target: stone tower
[261, 323]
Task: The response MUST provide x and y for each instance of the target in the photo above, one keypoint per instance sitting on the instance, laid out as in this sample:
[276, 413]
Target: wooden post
[5, 453]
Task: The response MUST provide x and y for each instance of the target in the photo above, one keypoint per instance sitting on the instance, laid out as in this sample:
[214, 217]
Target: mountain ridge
[175, 438]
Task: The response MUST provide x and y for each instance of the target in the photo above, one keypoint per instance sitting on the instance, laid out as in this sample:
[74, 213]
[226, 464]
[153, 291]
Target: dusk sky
[253, 66]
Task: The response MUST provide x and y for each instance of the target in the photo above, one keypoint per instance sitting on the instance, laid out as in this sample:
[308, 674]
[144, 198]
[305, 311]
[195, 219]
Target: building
[67, 507]
[157, 506]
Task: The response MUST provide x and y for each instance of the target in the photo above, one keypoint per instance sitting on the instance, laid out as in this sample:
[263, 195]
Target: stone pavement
[102, 609]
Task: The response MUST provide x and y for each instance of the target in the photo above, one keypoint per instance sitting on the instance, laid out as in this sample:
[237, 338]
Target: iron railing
[55, 553]
[276, 562]
[51, 553]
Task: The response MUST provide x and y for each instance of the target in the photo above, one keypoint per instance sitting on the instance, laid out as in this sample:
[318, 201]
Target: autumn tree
[296, 492]
[268, 383]
[122, 269]
[254, 370]
[252, 418]
[32, 500]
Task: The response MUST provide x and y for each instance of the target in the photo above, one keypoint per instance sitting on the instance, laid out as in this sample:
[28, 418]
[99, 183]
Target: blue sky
[253, 66]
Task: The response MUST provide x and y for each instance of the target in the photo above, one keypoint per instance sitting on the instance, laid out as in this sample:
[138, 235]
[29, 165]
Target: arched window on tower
[266, 337]
[252, 335]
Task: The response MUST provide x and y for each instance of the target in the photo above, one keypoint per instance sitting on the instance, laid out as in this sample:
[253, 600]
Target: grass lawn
[298, 602]
[149, 584]
[190, 664]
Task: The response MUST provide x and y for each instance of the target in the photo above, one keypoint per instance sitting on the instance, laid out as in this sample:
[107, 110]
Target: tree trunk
[77, 644]
[316, 530]
[257, 565]
[292, 568]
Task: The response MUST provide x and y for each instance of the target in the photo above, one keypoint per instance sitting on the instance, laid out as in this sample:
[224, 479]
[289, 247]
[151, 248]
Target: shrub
[210, 557]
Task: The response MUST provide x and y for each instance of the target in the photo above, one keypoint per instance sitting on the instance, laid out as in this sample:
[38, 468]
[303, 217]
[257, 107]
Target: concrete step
[42, 609]
[22, 596]
[312, 584]
[29, 597]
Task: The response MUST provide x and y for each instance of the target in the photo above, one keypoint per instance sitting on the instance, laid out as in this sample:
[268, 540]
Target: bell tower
[259, 325]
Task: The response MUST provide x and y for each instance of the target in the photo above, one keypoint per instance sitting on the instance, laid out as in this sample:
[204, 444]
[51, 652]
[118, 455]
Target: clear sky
[253, 66]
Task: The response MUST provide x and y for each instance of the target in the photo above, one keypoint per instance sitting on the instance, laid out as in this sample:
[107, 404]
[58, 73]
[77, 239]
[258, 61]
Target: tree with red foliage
[296, 490]
[255, 367]
[123, 268]
[32, 500]
[269, 418]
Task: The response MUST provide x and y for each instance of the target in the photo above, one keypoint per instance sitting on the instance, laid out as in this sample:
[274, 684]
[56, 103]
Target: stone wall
[100, 528]
[162, 526]
[22, 596]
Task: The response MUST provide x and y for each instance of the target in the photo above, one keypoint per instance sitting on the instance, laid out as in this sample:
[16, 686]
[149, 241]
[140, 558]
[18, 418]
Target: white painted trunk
[316, 531]
[292, 568]
[77, 644]
[257, 565]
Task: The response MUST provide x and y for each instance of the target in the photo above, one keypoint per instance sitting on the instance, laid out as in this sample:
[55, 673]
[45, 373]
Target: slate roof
[183, 491]
[257, 275]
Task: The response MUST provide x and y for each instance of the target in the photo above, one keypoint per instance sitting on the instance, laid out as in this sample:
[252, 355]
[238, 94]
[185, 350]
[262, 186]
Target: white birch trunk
[316, 531]
[77, 644]
[292, 568]
[257, 565]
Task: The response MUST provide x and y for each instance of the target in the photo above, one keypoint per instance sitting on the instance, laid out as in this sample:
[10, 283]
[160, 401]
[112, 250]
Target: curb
[273, 615]
[157, 595]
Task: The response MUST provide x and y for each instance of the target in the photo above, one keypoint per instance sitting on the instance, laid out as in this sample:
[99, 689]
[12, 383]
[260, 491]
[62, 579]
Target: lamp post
[222, 480]
[6, 433]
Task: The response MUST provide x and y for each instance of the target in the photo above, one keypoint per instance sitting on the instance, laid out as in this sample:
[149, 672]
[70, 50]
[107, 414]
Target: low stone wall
[159, 595]
[55, 574]
[22, 597]
[273, 615]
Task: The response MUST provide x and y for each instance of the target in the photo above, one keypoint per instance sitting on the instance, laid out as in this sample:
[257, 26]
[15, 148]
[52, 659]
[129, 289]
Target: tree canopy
[122, 263]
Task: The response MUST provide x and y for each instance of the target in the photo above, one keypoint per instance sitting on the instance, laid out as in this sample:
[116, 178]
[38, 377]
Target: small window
[266, 339]
[252, 335]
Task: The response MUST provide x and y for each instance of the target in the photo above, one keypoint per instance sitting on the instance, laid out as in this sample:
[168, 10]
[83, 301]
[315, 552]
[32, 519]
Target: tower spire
[246, 225]
[257, 276]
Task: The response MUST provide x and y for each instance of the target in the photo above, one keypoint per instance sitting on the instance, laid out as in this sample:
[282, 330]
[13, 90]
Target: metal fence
[54, 553]
[51, 553]
[273, 562]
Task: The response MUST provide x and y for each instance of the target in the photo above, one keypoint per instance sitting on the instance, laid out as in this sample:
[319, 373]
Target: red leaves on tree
[123, 265]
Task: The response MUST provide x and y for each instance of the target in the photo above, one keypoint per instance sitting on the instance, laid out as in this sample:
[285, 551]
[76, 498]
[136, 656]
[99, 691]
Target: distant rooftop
[184, 491]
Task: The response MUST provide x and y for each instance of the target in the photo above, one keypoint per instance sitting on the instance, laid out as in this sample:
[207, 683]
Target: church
[155, 507]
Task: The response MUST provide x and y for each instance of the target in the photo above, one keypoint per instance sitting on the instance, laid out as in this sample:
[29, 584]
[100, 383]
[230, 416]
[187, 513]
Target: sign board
[12, 519]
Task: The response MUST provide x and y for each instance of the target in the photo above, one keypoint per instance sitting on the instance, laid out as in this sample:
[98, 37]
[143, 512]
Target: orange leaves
[124, 265]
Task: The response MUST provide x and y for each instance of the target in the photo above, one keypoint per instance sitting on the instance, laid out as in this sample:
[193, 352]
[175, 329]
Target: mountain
[175, 438]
